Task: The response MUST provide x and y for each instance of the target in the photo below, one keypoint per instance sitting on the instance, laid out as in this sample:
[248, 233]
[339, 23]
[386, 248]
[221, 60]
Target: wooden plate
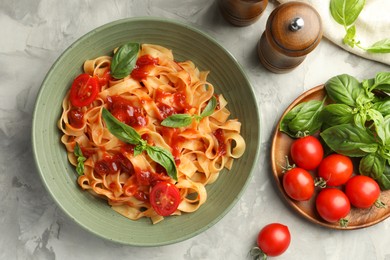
[357, 218]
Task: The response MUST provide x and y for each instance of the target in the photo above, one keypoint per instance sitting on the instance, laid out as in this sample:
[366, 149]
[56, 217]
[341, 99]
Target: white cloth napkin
[372, 25]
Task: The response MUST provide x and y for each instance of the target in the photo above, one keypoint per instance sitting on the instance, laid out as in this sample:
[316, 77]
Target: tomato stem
[257, 253]
[288, 166]
[343, 222]
[320, 182]
[301, 134]
[379, 204]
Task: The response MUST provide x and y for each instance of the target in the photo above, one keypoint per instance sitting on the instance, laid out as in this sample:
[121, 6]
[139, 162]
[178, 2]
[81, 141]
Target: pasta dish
[147, 133]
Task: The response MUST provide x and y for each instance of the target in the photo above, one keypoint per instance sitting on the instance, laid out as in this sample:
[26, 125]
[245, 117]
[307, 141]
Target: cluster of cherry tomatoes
[340, 188]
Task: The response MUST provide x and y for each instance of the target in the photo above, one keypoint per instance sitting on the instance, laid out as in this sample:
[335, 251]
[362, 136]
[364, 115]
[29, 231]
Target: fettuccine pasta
[157, 88]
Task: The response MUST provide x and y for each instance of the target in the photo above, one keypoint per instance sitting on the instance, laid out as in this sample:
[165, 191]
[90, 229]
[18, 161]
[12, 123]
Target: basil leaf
[386, 130]
[379, 122]
[77, 150]
[349, 140]
[382, 78]
[124, 60]
[210, 107]
[177, 120]
[382, 82]
[384, 179]
[382, 106]
[372, 165]
[302, 118]
[164, 158]
[120, 130]
[336, 114]
[382, 46]
[360, 120]
[80, 159]
[344, 89]
[345, 12]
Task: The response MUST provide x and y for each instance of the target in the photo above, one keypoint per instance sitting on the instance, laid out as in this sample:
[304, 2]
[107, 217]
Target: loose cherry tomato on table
[84, 90]
[333, 205]
[362, 191]
[335, 169]
[298, 184]
[272, 240]
[307, 152]
[165, 198]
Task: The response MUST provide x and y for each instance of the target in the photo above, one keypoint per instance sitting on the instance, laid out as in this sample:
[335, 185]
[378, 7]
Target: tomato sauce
[76, 117]
[174, 140]
[177, 103]
[106, 77]
[125, 112]
[149, 178]
[143, 66]
[165, 110]
[221, 141]
[181, 102]
[113, 164]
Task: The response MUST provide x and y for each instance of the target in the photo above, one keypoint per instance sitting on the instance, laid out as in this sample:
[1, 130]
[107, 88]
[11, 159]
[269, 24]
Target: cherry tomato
[332, 204]
[362, 191]
[274, 239]
[335, 169]
[165, 198]
[84, 90]
[298, 184]
[307, 152]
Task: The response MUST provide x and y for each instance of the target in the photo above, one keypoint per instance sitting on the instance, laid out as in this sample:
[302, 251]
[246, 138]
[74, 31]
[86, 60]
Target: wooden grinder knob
[293, 30]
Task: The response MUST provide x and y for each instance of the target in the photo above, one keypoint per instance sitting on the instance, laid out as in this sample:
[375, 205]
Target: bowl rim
[114, 23]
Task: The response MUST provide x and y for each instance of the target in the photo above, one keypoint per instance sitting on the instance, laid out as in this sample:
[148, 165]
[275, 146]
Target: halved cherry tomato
[298, 184]
[335, 169]
[165, 198]
[307, 152]
[333, 205]
[84, 90]
[362, 191]
[274, 239]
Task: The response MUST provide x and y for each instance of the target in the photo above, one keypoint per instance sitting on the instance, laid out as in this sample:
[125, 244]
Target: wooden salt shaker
[242, 12]
[293, 30]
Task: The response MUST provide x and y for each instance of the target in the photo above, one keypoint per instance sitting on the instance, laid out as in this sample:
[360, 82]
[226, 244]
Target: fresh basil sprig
[80, 159]
[303, 118]
[128, 134]
[124, 60]
[182, 120]
[345, 12]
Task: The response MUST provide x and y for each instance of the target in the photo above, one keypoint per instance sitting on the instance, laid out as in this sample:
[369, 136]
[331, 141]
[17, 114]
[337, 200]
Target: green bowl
[60, 177]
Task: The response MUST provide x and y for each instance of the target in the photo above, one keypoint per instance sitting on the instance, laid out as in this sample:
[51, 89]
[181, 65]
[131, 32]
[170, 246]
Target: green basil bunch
[356, 123]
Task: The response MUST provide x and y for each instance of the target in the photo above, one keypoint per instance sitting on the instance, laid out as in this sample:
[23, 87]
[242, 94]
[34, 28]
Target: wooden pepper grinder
[293, 30]
[242, 12]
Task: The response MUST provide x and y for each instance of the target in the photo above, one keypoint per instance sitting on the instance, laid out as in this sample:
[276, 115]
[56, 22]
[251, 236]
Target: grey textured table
[35, 32]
